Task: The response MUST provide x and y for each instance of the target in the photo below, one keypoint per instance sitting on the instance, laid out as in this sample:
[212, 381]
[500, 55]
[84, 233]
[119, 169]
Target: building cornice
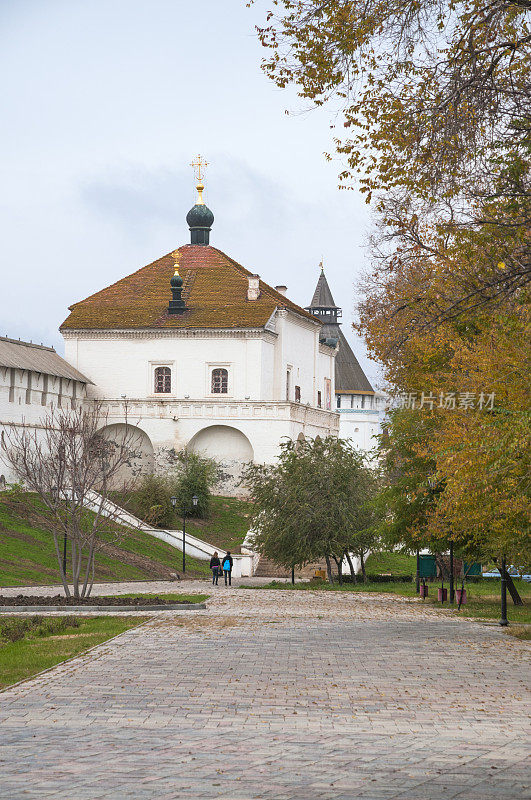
[325, 350]
[171, 333]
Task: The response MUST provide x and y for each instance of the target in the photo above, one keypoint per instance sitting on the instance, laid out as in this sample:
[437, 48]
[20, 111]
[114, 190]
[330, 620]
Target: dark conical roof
[322, 297]
[349, 375]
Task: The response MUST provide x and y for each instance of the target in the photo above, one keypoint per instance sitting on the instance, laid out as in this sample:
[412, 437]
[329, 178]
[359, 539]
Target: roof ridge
[28, 344]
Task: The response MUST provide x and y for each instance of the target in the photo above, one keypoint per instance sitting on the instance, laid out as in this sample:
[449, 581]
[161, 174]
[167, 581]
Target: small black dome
[200, 216]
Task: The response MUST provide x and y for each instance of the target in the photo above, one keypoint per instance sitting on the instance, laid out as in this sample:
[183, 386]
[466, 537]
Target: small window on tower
[319, 403]
[162, 380]
[220, 381]
[297, 394]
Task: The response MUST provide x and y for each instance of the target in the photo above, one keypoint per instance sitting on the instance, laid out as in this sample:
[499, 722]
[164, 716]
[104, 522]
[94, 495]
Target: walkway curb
[114, 609]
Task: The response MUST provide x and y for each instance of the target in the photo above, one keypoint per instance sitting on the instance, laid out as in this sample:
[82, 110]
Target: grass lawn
[27, 555]
[23, 658]
[483, 598]
[393, 563]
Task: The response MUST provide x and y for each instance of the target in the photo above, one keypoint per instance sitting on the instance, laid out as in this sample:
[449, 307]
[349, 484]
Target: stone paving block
[344, 697]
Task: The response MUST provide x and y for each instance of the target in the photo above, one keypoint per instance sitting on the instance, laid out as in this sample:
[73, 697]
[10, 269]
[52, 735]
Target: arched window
[220, 381]
[162, 380]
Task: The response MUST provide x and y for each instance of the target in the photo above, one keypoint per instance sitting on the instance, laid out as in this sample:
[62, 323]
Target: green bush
[195, 476]
[12, 630]
[371, 578]
[53, 625]
[151, 502]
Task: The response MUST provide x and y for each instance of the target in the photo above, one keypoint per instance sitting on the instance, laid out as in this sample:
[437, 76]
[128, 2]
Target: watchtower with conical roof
[356, 399]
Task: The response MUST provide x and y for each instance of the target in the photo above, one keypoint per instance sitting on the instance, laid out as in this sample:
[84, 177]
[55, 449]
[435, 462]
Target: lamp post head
[173, 501]
[195, 500]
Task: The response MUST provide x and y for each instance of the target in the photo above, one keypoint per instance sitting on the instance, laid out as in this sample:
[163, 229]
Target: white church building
[197, 352]
[204, 355]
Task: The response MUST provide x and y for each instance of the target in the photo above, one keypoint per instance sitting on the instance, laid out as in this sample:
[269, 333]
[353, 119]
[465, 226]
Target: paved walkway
[281, 696]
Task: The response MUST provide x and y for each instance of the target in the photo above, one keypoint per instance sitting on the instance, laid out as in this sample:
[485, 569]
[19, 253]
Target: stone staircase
[268, 569]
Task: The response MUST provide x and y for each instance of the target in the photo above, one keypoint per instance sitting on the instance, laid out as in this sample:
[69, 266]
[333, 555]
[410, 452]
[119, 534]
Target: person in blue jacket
[226, 563]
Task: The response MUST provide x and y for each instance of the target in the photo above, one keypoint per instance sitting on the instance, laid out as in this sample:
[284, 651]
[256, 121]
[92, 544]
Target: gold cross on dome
[199, 165]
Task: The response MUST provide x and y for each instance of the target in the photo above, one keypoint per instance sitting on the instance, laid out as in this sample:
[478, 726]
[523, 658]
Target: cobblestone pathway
[277, 695]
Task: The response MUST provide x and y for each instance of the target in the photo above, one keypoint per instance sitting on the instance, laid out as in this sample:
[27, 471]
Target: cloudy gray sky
[104, 105]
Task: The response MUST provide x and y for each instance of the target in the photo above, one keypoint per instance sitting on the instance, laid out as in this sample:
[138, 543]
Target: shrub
[196, 475]
[151, 502]
[372, 578]
[14, 629]
[53, 625]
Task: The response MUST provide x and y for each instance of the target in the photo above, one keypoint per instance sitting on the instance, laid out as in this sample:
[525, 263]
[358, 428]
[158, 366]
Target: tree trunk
[513, 591]
[60, 562]
[89, 589]
[362, 561]
[339, 565]
[329, 570]
[352, 570]
[76, 567]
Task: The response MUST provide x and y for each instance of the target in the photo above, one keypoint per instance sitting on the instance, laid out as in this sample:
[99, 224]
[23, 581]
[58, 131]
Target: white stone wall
[231, 431]
[26, 398]
[359, 416]
[360, 426]
[124, 364]
[248, 422]
[297, 351]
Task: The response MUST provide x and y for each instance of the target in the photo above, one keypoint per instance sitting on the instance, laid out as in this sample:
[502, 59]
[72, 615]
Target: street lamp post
[503, 621]
[195, 500]
[417, 579]
[451, 572]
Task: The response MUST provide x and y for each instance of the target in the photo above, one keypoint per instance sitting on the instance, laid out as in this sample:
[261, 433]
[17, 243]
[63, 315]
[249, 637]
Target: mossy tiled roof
[215, 291]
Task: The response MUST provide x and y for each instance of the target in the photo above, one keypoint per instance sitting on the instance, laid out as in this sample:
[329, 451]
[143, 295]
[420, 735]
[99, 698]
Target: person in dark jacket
[227, 567]
[215, 566]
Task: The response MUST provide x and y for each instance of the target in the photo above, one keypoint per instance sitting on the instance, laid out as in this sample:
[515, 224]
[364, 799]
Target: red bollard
[442, 594]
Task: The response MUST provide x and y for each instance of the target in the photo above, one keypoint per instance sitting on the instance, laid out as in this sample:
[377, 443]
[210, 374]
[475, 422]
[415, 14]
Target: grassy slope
[392, 563]
[226, 527]
[22, 659]
[27, 554]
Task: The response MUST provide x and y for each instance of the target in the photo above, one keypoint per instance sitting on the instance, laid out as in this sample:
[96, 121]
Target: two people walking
[218, 566]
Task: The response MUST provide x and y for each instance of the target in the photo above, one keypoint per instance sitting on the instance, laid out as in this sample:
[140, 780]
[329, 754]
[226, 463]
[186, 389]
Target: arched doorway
[230, 449]
[142, 457]
[222, 442]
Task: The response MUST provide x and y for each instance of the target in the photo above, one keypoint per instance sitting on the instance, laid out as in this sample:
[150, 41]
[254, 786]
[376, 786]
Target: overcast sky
[104, 105]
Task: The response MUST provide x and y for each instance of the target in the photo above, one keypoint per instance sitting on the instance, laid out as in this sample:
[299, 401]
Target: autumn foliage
[434, 113]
